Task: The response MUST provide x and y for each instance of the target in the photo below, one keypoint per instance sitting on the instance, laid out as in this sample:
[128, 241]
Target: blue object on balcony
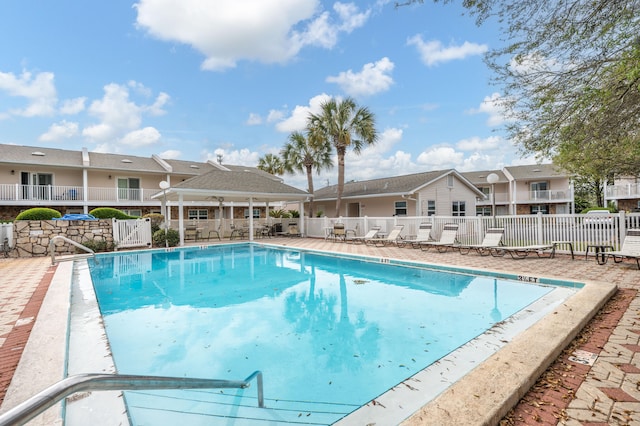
[77, 216]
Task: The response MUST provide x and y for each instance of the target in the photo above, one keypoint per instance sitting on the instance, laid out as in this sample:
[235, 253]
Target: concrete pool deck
[607, 395]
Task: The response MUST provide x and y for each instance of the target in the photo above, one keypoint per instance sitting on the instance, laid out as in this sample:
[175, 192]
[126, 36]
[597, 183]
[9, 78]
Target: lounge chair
[492, 239]
[373, 232]
[447, 240]
[423, 236]
[393, 237]
[630, 249]
[520, 252]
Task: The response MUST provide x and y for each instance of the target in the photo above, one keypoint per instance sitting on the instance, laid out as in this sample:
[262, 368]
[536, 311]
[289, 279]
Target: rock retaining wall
[32, 237]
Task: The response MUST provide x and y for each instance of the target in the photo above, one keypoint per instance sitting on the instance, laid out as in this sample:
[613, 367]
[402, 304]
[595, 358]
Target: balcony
[617, 192]
[17, 194]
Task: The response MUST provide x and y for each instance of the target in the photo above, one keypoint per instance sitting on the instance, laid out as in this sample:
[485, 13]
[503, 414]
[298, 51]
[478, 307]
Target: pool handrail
[69, 240]
[38, 403]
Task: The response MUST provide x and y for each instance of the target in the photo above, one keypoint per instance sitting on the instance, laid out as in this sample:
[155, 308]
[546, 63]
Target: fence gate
[132, 233]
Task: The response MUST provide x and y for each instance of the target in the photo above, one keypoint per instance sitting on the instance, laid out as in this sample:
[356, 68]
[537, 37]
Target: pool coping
[480, 397]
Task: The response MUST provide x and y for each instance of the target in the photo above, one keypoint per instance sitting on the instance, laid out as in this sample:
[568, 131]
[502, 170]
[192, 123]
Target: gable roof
[234, 185]
[534, 171]
[479, 178]
[389, 186]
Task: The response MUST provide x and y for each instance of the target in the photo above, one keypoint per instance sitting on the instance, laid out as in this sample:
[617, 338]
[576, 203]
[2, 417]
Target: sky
[195, 79]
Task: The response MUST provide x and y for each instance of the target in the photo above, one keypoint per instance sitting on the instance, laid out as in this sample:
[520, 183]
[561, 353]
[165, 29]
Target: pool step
[204, 408]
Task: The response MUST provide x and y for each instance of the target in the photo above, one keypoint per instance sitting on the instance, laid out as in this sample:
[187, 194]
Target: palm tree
[271, 163]
[303, 154]
[344, 125]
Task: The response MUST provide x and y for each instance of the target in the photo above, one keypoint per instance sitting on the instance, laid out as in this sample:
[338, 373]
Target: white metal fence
[132, 233]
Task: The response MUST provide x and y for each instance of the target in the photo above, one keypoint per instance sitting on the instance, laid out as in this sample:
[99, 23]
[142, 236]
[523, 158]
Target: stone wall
[32, 237]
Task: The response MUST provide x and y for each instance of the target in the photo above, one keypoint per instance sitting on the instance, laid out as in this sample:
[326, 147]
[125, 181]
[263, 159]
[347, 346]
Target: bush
[96, 245]
[279, 213]
[39, 213]
[110, 213]
[156, 220]
[173, 237]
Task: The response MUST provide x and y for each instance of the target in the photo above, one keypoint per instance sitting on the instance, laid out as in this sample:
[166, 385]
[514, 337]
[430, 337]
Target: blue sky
[191, 79]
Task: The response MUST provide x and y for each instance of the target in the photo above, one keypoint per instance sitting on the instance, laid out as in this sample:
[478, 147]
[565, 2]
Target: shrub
[39, 213]
[96, 245]
[279, 213]
[294, 213]
[173, 238]
[110, 213]
[156, 220]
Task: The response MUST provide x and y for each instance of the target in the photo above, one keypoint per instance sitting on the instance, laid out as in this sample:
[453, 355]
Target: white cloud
[254, 119]
[38, 90]
[493, 106]
[59, 131]
[476, 143]
[141, 137]
[269, 31]
[73, 106]
[374, 78]
[297, 121]
[440, 157]
[239, 157]
[170, 154]
[434, 53]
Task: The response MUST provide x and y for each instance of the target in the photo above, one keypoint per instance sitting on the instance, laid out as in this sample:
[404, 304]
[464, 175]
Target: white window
[133, 212]
[543, 208]
[431, 207]
[458, 208]
[128, 189]
[483, 211]
[197, 214]
[256, 213]
[400, 208]
[450, 181]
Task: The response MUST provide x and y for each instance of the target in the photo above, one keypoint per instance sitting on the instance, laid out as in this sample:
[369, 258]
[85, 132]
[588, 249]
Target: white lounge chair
[423, 235]
[630, 249]
[392, 238]
[492, 239]
[448, 239]
[373, 232]
[520, 252]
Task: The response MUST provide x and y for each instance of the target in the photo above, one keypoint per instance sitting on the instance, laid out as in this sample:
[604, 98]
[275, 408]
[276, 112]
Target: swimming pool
[330, 334]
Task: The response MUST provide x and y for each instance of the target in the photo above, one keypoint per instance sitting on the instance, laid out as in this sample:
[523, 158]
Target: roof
[389, 186]
[534, 171]
[18, 154]
[480, 178]
[234, 185]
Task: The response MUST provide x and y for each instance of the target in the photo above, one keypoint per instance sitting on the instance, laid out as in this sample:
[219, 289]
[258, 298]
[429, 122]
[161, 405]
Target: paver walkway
[570, 392]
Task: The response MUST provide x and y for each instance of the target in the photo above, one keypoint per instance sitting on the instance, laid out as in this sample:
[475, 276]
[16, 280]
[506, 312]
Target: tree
[302, 154]
[271, 163]
[344, 125]
[570, 70]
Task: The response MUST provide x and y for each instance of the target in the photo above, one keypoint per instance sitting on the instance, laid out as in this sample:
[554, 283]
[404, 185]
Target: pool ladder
[70, 241]
[38, 403]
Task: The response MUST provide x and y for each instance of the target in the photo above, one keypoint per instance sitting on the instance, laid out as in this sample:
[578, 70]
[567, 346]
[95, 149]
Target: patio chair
[338, 232]
[393, 237]
[492, 239]
[214, 233]
[423, 235]
[238, 232]
[373, 232]
[630, 249]
[448, 239]
[191, 232]
[520, 252]
[293, 230]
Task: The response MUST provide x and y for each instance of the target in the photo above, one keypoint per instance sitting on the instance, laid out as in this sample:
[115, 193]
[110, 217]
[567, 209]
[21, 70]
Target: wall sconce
[13, 172]
[109, 176]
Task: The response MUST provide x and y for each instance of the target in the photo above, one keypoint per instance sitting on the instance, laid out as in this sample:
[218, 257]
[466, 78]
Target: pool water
[330, 334]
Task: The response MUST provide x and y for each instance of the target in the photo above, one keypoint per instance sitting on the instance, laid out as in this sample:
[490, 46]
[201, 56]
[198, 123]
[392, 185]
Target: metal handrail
[62, 237]
[38, 403]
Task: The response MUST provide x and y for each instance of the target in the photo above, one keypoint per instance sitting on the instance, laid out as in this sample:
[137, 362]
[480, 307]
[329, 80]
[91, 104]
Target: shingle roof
[480, 178]
[385, 186]
[19, 154]
[535, 170]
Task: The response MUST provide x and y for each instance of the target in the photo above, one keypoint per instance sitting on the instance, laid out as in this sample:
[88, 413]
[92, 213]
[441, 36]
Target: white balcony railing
[631, 190]
[71, 194]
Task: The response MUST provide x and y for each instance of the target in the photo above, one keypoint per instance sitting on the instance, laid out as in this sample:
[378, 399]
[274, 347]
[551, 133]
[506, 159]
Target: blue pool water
[329, 334]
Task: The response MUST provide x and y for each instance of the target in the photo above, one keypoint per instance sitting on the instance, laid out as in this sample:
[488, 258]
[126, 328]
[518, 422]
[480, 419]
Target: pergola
[238, 186]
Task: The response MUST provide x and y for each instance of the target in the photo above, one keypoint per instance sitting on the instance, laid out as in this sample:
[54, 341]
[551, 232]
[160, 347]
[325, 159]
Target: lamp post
[492, 179]
[164, 185]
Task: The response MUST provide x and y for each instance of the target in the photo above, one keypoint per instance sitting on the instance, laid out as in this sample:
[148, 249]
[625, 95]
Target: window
[458, 208]
[483, 211]
[486, 190]
[539, 191]
[128, 189]
[133, 212]
[36, 185]
[431, 207]
[400, 208]
[542, 208]
[256, 213]
[450, 181]
[197, 214]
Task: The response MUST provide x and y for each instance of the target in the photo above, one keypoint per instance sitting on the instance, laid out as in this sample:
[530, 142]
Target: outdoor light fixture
[164, 185]
[492, 179]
